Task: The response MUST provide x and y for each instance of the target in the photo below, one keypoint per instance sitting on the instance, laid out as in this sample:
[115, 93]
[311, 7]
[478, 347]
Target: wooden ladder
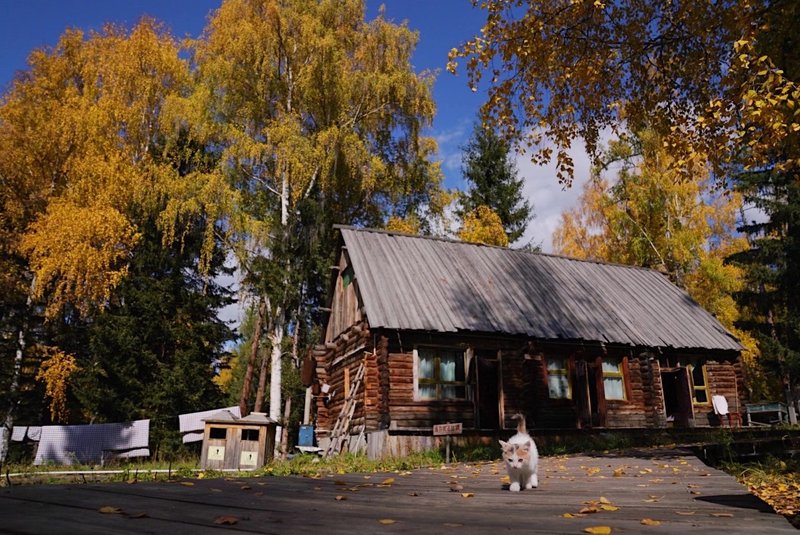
[341, 430]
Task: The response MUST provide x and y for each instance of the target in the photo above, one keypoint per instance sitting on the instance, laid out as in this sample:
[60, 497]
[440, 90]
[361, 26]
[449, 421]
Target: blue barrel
[306, 437]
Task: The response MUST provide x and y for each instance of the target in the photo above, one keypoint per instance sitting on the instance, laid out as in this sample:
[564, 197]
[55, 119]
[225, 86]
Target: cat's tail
[520, 423]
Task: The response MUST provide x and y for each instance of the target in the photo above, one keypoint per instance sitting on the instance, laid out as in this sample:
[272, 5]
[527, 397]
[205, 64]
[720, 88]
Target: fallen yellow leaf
[387, 521]
[226, 520]
[388, 481]
[467, 494]
[340, 498]
[110, 510]
[619, 472]
[603, 499]
[722, 515]
[588, 510]
[453, 525]
[684, 513]
[650, 522]
[568, 515]
[598, 530]
[187, 483]
[607, 507]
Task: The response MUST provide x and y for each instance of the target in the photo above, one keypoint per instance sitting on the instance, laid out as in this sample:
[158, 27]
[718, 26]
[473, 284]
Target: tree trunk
[13, 388]
[251, 363]
[262, 383]
[276, 338]
[287, 411]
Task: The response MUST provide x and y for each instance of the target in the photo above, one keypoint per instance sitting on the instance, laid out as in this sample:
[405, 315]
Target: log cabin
[448, 331]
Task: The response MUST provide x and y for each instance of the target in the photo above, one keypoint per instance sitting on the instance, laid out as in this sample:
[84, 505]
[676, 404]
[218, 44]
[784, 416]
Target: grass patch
[775, 481]
[313, 466]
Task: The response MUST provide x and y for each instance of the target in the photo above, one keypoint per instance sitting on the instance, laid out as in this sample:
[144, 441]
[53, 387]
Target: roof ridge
[521, 251]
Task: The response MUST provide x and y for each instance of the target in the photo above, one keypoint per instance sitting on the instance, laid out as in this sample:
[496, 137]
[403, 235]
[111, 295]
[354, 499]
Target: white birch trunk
[13, 388]
[276, 337]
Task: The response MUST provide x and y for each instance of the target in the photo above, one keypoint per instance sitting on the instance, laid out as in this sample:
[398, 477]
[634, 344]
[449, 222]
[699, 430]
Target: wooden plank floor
[673, 488]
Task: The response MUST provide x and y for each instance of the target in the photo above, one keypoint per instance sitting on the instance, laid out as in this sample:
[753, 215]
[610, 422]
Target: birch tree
[77, 131]
[317, 116]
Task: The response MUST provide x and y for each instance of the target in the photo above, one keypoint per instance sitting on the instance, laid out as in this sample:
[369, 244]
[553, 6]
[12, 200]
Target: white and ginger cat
[521, 457]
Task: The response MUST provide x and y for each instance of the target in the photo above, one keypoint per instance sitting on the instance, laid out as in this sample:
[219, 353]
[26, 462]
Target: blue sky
[442, 24]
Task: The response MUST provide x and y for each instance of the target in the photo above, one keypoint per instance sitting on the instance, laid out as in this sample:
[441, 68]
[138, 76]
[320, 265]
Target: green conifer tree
[493, 182]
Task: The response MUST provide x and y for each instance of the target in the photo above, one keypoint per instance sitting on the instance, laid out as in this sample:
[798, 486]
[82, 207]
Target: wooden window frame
[215, 432]
[691, 366]
[566, 371]
[248, 433]
[622, 367]
[436, 381]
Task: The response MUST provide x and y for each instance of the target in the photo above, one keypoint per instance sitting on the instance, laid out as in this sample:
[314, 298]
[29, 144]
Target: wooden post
[287, 408]
[307, 407]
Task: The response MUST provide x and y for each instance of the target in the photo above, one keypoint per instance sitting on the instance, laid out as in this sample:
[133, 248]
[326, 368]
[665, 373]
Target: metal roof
[430, 284]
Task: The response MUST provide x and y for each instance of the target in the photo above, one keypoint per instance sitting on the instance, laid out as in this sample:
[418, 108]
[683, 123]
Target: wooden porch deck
[670, 488]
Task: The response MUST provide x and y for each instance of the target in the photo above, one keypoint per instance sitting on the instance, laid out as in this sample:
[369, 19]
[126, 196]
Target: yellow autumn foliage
[404, 225]
[713, 79]
[484, 226]
[78, 132]
[56, 372]
[654, 216]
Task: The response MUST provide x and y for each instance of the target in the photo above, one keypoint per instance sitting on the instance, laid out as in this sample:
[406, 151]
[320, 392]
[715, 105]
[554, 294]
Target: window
[558, 378]
[440, 374]
[699, 383]
[347, 276]
[218, 433]
[613, 378]
[250, 434]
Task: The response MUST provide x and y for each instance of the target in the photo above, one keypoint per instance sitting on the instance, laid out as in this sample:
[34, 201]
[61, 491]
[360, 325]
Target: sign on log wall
[447, 429]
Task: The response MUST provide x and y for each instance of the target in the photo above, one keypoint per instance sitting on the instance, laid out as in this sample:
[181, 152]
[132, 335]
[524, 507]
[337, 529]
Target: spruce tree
[772, 267]
[152, 353]
[493, 182]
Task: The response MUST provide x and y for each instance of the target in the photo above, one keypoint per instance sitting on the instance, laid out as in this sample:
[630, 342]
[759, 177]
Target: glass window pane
[451, 366]
[697, 376]
[427, 391]
[614, 387]
[555, 364]
[453, 392]
[426, 363]
[447, 367]
[700, 396]
[558, 386]
[611, 366]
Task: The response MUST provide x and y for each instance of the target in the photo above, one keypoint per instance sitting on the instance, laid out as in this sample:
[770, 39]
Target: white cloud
[549, 198]
[450, 143]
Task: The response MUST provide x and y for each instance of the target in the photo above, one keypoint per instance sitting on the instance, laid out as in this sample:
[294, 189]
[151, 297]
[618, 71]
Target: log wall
[389, 403]
[723, 380]
[337, 364]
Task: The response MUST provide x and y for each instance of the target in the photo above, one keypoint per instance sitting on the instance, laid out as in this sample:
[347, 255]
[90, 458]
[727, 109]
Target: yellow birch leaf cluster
[56, 372]
[711, 78]
[484, 226]
[79, 129]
